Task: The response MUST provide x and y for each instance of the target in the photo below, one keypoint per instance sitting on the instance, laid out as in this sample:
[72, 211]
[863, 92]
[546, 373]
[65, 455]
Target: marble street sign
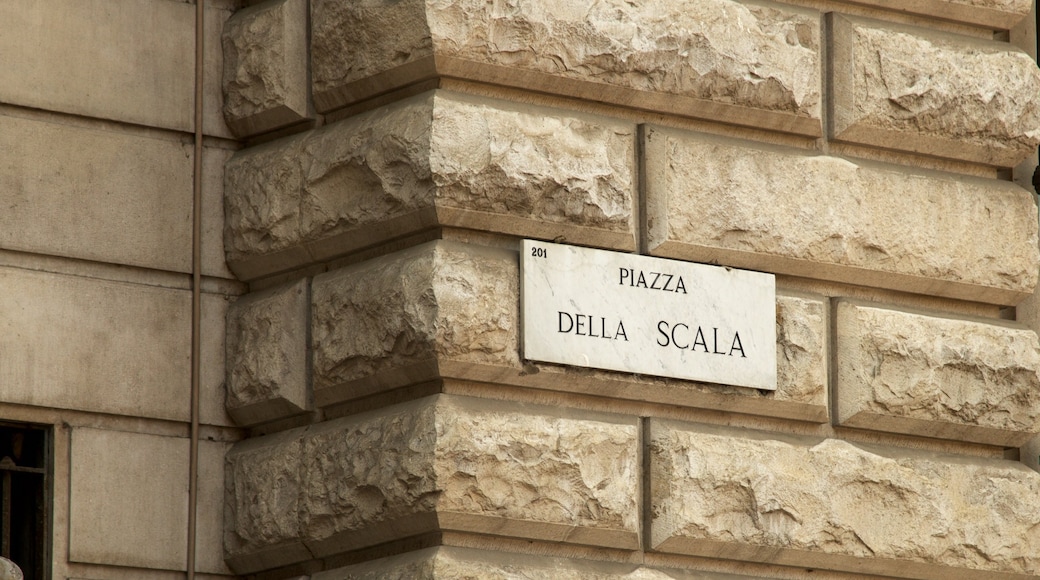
[651, 316]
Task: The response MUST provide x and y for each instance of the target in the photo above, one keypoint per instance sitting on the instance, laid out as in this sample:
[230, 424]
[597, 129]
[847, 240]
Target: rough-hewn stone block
[830, 504]
[267, 354]
[937, 377]
[94, 194]
[938, 94]
[444, 563]
[449, 310]
[711, 199]
[440, 463]
[128, 60]
[265, 67]
[754, 64]
[436, 159]
[121, 485]
[130, 345]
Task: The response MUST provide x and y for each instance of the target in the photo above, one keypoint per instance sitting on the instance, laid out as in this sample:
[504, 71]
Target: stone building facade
[262, 288]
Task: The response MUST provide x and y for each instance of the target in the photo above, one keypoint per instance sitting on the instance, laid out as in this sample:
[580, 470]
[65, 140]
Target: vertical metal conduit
[196, 289]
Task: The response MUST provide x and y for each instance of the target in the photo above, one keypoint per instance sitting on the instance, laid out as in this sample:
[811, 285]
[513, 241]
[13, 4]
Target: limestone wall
[97, 124]
[871, 155]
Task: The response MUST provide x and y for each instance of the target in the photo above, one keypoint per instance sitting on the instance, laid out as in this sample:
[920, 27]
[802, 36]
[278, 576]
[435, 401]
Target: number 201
[539, 253]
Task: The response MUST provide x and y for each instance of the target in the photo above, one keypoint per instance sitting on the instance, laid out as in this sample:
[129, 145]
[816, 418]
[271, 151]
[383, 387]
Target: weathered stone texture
[359, 481]
[801, 350]
[122, 484]
[434, 159]
[826, 217]
[834, 505]
[9, 570]
[70, 342]
[937, 377]
[77, 192]
[937, 94]
[267, 354]
[758, 57]
[265, 66]
[443, 563]
[129, 61]
[437, 301]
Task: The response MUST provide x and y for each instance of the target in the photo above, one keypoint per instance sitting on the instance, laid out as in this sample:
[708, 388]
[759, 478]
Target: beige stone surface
[451, 310]
[88, 344]
[94, 194]
[267, 354]
[832, 504]
[265, 67]
[938, 377]
[127, 60]
[209, 552]
[932, 93]
[753, 63]
[437, 463]
[213, 370]
[997, 14]
[9, 570]
[1030, 454]
[213, 263]
[458, 563]
[122, 485]
[711, 199]
[437, 159]
[216, 14]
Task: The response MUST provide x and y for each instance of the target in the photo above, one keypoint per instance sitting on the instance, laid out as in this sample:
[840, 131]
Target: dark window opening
[25, 497]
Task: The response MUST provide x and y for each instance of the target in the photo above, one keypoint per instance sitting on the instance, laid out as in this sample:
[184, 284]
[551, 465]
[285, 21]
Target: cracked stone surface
[934, 376]
[267, 354]
[350, 482]
[830, 218]
[522, 171]
[760, 56]
[265, 66]
[833, 504]
[938, 94]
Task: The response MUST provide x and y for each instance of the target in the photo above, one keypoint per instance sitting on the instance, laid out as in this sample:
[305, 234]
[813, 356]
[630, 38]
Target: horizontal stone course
[434, 160]
[450, 310]
[267, 353]
[127, 60]
[749, 63]
[997, 14]
[712, 199]
[937, 377]
[456, 563]
[440, 463]
[95, 194]
[831, 504]
[938, 94]
[131, 344]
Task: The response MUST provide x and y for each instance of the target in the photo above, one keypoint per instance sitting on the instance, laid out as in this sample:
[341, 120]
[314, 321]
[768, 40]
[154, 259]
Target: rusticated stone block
[830, 218]
[440, 463]
[754, 64]
[267, 354]
[450, 310]
[831, 504]
[434, 160]
[443, 563]
[932, 93]
[265, 67]
[954, 379]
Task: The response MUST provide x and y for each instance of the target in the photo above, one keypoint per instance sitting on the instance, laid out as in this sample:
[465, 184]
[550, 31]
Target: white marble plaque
[651, 316]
